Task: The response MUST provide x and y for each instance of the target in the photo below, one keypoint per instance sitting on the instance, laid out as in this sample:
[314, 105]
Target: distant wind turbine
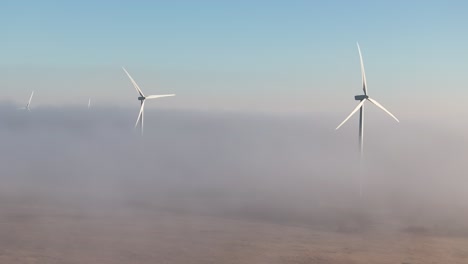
[27, 107]
[362, 99]
[142, 98]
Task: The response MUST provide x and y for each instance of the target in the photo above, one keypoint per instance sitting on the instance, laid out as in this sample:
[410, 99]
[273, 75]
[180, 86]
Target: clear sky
[237, 55]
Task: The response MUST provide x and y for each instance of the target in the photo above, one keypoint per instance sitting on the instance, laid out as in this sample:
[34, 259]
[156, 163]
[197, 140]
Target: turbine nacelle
[141, 98]
[360, 97]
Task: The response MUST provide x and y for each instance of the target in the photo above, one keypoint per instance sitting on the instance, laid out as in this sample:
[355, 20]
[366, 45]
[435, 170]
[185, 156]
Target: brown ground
[38, 232]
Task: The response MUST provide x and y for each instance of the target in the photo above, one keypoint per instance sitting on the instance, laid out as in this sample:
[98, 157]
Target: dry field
[34, 231]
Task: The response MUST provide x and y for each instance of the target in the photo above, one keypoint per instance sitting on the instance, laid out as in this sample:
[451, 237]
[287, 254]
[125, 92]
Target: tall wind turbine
[142, 98]
[362, 99]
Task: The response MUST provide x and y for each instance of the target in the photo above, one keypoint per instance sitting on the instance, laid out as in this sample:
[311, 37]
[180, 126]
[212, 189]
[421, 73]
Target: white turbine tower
[89, 103]
[362, 99]
[142, 98]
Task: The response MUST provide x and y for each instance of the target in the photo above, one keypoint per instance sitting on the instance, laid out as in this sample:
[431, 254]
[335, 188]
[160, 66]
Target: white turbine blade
[352, 113]
[89, 103]
[383, 108]
[140, 113]
[134, 83]
[363, 72]
[30, 99]
[159, 96]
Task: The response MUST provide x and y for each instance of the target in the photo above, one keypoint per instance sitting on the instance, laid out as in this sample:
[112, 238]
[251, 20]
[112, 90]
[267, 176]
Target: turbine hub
[360, 97]
[141, 98]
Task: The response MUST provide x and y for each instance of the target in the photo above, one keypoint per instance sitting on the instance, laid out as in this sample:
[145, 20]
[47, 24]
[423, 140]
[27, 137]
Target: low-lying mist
[293, 169]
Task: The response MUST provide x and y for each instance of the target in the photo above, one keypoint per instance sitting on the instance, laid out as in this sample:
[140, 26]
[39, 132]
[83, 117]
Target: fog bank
[282, 168]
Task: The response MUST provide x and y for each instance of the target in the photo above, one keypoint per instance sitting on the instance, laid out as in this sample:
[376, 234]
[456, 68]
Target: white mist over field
[278, 168]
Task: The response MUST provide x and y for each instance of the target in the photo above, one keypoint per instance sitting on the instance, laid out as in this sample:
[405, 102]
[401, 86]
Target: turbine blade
[352, 113]
[383, 108]
[30, 99]
[159, 96]
[134, 83]
[140, 113]
[363, 72]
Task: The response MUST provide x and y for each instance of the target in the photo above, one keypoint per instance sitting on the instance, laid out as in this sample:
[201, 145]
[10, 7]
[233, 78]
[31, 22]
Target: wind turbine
[89, 103]
[142, 98]
[362, 99]
[29, 103]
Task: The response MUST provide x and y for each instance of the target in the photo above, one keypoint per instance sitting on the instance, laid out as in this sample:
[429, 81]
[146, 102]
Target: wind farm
[259, 158]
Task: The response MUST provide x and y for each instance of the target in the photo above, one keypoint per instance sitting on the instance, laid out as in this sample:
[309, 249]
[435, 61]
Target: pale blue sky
[238, 55]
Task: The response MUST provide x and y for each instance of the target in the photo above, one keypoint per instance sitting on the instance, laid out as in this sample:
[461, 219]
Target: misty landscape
[233, 132]
[82, 186]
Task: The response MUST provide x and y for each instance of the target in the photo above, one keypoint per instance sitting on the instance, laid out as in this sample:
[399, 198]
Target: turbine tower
[142, 98]
[362, 99]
